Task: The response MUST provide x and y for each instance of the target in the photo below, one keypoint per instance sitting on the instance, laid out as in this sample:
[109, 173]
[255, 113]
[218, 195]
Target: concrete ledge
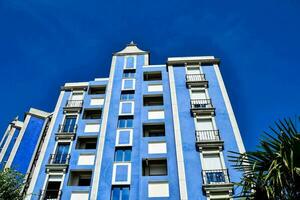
[192, 60]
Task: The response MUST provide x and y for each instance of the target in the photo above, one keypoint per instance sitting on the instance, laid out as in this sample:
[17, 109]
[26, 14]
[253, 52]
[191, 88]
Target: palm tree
[273, 171]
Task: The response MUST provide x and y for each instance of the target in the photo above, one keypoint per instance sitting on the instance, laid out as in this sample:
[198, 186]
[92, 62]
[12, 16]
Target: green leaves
[273, 171]
[11, 184]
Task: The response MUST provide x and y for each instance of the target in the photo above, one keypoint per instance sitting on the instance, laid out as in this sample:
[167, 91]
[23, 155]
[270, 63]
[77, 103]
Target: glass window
[123, 154]
[120, 193]
[126, 97]
[69, 124]
[125, 123]
[128, 84]
[129, 74]
[61, 153]
[129, 62]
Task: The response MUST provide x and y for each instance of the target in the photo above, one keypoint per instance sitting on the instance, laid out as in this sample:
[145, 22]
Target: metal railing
[67, 128]
[201, 103]
[216, 176]
[207, 135]
[59, 159]
[50, 194]
[195, 77]
[74, 103]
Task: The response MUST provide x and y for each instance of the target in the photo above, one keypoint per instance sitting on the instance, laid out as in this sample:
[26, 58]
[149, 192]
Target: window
[86, 143]
[158, 189]
[122, 155]
[125, 122]
[153, 130]
[77, 96]
[69, 124]
[155, 167]
[97, 89]
[155, 88]
[120, 193]
[126, 108]
[62, 154]
[212, 161]
[80, 178]
[52, 190]
[127, 95]
[129, 62]
[92, 114]
[156, 114]
[153, 100]
[124, 137]
[204, 124]
[198, 94]
[152, 76]
[129, 74]
[128, 84]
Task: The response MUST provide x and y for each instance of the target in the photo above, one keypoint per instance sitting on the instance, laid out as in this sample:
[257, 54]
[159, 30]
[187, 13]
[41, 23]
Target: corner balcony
[74, 105]
[66, 132]
[202, 107]
[208, 139]
[58, 163]
[217, 181]
[196, 80]
[50, 194]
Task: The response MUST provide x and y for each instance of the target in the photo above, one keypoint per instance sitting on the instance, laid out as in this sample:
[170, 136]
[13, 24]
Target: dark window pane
[125, 193]
[115, 193]
[127, 156]
[119, 155]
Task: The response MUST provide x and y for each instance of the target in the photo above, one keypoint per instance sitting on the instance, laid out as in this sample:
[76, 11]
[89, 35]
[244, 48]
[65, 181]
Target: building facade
[145, 132]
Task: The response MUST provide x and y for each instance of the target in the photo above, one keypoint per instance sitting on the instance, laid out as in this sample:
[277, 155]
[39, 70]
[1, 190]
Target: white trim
[39, 162]
[121, 106]
[233, 121]
[123, 84]
[130, 137]
[38, 113]
[8, 140]
[18, 142]
[114, 182]
[152, 66]
[101, 139]
[101, 79]
[177, 133]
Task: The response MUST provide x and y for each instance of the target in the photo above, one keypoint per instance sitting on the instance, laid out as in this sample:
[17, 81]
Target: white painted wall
[158, 189]
[86, 159]
[91, 128]
[156, 114]
[155, 88]
[97, 102]
[157, 147]
[79, 196]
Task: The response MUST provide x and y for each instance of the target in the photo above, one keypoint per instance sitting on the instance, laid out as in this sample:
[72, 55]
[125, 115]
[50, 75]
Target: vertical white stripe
[39, 162]
[177, 133]
[234, 124]
[10, 133]
[101, 141]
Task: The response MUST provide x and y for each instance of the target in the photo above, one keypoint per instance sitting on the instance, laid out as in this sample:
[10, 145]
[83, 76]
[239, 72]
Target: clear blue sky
[45, 43]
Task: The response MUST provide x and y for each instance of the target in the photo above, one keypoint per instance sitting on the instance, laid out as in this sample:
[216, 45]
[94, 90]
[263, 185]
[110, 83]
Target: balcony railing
[63, 128]
[195, 77]
[59, 159]
[207, 135]
[201, 103]
[217, 176]
[74, 104]
[50, 194]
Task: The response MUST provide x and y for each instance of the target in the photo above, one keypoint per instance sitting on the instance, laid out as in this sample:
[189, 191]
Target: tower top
[130, 49]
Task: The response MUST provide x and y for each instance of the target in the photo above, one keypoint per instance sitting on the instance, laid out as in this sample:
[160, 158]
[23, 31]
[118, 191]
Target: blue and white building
[145, 132]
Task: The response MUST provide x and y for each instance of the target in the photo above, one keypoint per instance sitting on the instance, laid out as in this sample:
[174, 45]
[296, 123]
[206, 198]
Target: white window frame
[121, 106]
[126, 60]
[123, 83]
[130, 137]
[114, 182]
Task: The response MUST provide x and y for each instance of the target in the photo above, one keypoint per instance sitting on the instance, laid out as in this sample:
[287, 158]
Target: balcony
[196, 80]
[216, 181]
[58, 162]
[208, 139]
[66, 132]
[50, 194]
[202, 107]
[74, 105]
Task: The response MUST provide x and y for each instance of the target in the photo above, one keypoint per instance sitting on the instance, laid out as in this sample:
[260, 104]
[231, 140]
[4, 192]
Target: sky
[45, 43]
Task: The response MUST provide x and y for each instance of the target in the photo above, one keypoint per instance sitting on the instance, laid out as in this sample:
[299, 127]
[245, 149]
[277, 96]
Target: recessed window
[86, 143]
[125, 122]
[122, 154]
[80, 178]
[120, 193]
[153, 130]
[155, 167]
[97, 89]
[129, 74]
[127, 95]
[152, 76]
[52, 190]
[92, 114]
[153, 100]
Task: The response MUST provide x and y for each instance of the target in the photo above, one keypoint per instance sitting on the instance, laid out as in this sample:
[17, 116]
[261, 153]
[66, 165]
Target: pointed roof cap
[130, 49]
